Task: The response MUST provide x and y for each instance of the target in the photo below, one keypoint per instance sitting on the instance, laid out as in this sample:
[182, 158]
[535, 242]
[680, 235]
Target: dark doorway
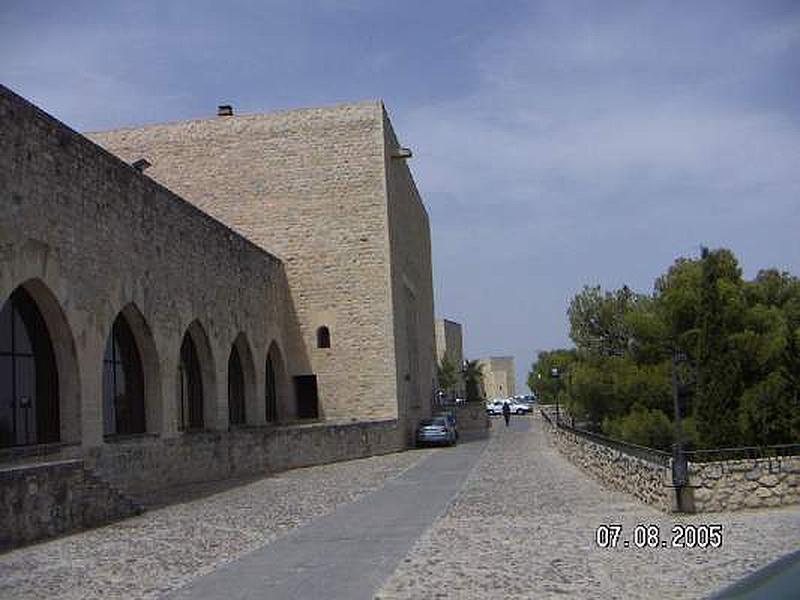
[29, 410]
[191, 386]
[307, 400]
[123, 382]
[236, 410]
[271, 392]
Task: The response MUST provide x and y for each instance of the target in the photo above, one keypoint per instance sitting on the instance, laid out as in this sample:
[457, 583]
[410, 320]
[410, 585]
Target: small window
[323, 337]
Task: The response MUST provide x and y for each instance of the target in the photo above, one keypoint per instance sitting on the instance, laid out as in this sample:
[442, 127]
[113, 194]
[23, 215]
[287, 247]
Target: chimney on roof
[141, 164]
[224, 110]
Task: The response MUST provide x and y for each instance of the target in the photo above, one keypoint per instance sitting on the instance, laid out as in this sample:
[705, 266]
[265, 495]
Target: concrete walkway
[348, 554]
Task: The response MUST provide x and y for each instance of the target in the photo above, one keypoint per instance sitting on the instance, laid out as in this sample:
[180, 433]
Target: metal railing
[652, 455]
[742, 453]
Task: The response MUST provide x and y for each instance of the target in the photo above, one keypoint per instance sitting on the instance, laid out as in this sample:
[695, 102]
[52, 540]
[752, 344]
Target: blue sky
[556, 144]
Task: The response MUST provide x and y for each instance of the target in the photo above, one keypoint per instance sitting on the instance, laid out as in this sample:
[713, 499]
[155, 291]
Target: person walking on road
[507, 412]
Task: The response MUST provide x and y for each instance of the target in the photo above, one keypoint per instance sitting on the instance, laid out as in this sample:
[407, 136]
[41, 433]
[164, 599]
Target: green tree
[473, 380]
[447, 375]
[642, 426]
[719, 370]
[540, 381]
[597, 320]
[769, 412]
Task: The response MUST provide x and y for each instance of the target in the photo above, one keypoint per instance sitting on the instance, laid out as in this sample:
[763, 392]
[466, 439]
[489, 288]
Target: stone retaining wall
[713, 486]
[738, 484]
[39, 501]
[647, 481]
[142, 465]
[45, 499]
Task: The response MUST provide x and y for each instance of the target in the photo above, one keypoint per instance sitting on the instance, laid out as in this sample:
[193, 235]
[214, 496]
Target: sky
[556, 144]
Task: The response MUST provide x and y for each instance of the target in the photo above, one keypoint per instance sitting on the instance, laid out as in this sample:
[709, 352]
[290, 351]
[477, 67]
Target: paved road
[524, 526]
[505, 518]
[348, 554]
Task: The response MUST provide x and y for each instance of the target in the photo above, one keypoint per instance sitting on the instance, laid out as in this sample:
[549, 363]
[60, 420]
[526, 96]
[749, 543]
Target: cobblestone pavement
[161, 550]
[523, 526]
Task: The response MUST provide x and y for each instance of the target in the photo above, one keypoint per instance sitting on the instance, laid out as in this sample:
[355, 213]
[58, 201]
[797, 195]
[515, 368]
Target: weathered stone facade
[499, 377]
[325, 190]
[450, 343]
[88, 240]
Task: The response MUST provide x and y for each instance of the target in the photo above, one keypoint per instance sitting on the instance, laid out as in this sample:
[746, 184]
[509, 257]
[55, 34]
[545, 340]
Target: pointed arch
[277, 392]
[131, 376]
[39, 383]
[241, 382]
[196, 379]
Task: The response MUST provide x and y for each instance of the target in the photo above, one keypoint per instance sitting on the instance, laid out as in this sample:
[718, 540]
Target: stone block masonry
[713, 486]
[739, 484]
[54, 498]
[647, 481]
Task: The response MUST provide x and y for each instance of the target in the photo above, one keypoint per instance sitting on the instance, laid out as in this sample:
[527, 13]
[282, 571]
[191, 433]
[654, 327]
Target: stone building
[260, 298]
[498, 377]
[449, 343]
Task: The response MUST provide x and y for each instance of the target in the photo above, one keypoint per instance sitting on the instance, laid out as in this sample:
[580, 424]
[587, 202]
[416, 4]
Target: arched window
[29, 403]
[271, 395]
[123, 382]
[236, 410]
[191, 386]
[323, 337]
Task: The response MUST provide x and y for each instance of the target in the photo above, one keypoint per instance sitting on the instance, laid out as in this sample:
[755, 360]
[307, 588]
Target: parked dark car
[435, 430]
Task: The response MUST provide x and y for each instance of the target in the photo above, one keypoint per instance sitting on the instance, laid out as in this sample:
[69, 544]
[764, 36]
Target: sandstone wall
[411, 287]
[88, 236]
[308, 185]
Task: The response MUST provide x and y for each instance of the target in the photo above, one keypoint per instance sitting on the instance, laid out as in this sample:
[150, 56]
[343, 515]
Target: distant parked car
[435, 430]
[521, 408]
[495, 408]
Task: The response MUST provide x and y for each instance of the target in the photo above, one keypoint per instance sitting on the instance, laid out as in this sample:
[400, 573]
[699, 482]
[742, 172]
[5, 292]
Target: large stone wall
[449, 343]
[739, 484]
[308, 185]
[89, 237]
[412, 288]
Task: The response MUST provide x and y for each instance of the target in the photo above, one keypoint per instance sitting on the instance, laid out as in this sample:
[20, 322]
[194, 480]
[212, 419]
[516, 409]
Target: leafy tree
[770, 412]
[642, 426]
[447, 375]
[473, 379]
[719, 370]
[597, 320]
[740, 383]
[540, 379]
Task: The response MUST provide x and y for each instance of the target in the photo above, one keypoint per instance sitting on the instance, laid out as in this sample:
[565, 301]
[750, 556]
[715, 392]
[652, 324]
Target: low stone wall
[738, 484]
[473, 423]
[647, 481]
[144, 464]
[48, 499]
[43, 499]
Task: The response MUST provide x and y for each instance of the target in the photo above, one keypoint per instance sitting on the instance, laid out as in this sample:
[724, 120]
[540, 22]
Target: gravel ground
[161, 550]
[524, 526]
